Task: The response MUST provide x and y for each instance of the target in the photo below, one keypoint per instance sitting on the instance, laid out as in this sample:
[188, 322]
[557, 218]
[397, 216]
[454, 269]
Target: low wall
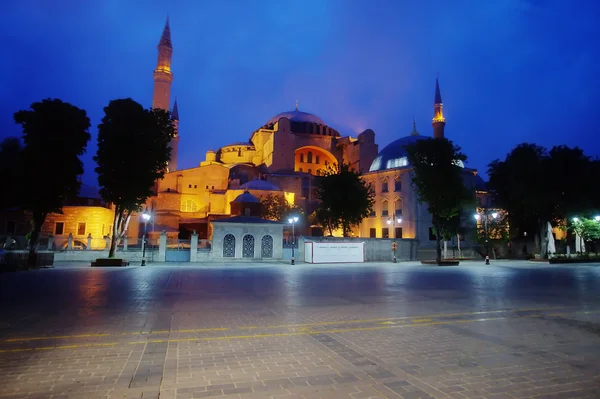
[376, 249]
[131, 255]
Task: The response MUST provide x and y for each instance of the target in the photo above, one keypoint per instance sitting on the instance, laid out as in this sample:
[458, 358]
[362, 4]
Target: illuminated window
[80, 229]
[396, 163]
[189, 206]
[375, 165]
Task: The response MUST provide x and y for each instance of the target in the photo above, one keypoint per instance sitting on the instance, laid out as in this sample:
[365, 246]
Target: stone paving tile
[338, 357]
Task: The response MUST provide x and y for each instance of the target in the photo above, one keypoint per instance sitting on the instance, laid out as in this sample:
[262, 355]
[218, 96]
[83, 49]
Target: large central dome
[297, 116]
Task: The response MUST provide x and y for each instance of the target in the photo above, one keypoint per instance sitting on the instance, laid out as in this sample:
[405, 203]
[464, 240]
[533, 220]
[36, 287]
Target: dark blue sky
[510, 70]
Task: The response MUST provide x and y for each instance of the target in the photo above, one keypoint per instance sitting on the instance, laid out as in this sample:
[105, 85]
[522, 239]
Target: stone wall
[239, 230]
[131, 255]
[376, 249]
[96, 221]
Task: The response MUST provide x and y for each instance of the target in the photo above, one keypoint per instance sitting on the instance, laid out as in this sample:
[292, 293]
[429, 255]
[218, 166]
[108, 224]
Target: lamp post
[485, 229]
[145, 217]
[392, 220]
[293, 221]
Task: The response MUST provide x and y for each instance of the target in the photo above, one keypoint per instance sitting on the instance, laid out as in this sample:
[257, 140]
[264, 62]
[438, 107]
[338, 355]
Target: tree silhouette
[133, 151]
[55, 135]
[345, 198]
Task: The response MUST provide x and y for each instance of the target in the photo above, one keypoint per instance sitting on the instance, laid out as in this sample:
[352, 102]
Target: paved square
[510, 330]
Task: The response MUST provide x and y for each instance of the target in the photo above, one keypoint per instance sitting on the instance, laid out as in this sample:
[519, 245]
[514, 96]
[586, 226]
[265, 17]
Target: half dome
[246, 198]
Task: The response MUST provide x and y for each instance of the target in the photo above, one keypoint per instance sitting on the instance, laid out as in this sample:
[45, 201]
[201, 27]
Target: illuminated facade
[281, 158]
[397, 212]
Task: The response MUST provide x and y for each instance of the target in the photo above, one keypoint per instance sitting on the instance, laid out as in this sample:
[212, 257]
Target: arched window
[384, 208]
[239, 152]
[189, 206]
[301, 158]
[229, 246]
[266, 247]
[248, 246]
[309, 157]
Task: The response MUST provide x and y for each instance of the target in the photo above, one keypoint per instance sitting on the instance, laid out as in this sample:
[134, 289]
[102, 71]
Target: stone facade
[231, 239]
[80, 222]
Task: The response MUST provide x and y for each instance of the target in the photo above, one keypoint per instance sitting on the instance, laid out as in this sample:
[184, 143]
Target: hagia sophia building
[283, 157]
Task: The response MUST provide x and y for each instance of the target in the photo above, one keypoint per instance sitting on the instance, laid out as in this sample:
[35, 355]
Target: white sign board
[334, 252]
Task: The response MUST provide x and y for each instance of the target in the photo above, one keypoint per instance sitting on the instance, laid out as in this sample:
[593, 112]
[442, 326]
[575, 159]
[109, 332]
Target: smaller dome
[246, 198]
[258, 184]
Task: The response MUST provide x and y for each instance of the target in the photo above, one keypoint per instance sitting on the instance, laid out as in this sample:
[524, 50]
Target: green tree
[11, 157]
[133, 151]
[587, 229]
[345, 198]
[55, 135]
[438, 182]
[277, 208]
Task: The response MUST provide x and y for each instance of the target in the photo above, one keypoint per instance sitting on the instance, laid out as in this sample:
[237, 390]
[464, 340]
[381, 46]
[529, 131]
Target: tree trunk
[38, 221]
[113, 239]
[438, 246]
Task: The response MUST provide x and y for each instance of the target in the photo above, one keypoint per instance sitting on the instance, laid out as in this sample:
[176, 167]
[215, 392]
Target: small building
[247, 235]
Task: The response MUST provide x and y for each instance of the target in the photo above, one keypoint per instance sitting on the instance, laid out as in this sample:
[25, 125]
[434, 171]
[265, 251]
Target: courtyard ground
[508, 330]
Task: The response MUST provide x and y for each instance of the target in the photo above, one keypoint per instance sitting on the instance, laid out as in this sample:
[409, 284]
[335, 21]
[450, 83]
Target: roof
[394, 155]
[258, 184]
[245, 219]
[297, 116]
[480, 184]
[246, 197]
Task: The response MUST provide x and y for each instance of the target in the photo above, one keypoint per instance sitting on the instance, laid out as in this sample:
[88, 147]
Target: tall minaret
[162, 74]
[175, 140]
[438, 122]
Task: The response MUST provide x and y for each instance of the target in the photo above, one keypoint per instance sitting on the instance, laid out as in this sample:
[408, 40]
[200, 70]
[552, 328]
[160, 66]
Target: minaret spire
[296, 105]
[438, 122]
[163, 77]
[414, 131]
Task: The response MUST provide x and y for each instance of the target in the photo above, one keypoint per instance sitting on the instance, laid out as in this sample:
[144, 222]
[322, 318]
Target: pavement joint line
[324, 323]
[269, 335]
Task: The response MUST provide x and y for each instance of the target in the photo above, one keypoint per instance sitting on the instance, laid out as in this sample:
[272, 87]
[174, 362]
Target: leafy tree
[11, 154]
[536, 186]
[587, 229]
[345, 198]
[326, 219]
[133, 151]
[277, 208]
[438, 182]
[55, 135]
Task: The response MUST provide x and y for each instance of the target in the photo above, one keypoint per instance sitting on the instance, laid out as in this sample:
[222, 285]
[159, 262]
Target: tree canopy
[55, 135]
[277, 208]
[438, 182]
[133, 151]
[11, 170]
[536, 186]
[345, 198]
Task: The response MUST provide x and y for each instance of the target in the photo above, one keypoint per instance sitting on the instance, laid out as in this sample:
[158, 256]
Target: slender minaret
[438, 122]
[175, 140]
[162, 74]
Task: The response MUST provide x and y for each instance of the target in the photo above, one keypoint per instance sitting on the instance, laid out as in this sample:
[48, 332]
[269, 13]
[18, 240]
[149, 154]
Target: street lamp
[293, 221]
[597, 218]
[145, 217]
[392, 220]
[477, 217]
